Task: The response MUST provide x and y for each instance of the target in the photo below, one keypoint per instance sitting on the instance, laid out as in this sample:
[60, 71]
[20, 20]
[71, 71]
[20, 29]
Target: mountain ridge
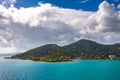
[82, 49]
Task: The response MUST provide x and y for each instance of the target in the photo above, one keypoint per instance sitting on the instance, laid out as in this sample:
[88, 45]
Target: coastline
[72, 60]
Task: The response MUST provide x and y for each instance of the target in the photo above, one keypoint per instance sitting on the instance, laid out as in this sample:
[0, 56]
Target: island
[82, 49]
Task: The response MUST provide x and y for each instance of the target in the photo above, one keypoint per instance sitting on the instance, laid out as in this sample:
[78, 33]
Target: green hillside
[82, 49]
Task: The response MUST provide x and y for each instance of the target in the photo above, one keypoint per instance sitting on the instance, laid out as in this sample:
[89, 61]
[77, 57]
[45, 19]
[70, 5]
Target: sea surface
[11, 69]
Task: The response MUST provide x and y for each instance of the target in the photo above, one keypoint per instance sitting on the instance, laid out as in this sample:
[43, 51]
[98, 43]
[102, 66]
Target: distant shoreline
[73, 60]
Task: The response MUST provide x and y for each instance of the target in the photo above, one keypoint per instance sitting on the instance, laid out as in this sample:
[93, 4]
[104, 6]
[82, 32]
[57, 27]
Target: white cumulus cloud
[26, 28]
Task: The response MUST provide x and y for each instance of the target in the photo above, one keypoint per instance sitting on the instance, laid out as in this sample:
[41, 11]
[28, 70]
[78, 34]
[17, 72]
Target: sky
[27, 24]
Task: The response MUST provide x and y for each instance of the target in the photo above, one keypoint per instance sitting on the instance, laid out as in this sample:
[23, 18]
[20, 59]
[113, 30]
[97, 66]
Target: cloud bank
[26, 28]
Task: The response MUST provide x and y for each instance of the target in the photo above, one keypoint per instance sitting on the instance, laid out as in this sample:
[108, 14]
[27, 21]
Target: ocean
[11, 69]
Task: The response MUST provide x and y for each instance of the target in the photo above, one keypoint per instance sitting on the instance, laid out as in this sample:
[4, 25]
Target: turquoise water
[77, 70]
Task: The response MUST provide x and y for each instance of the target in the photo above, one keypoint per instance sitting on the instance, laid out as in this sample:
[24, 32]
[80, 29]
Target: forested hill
[82, 49]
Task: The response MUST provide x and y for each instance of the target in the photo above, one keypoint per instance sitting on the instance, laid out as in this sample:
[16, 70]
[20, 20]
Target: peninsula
[82, 49]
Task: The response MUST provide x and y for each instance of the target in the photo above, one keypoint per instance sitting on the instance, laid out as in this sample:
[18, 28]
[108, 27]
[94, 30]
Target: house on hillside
[112, 56]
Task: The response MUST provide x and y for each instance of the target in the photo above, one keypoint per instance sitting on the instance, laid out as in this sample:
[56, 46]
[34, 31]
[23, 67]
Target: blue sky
[87, 5]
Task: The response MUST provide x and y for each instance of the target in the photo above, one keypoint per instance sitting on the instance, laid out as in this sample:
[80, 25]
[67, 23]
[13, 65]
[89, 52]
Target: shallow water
[11, 69]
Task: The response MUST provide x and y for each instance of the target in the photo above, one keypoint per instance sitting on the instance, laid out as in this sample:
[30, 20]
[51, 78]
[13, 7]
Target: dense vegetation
[83, 49]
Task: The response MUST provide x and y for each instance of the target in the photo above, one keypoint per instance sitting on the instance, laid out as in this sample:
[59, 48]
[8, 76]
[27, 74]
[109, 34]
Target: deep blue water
[77, 70]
